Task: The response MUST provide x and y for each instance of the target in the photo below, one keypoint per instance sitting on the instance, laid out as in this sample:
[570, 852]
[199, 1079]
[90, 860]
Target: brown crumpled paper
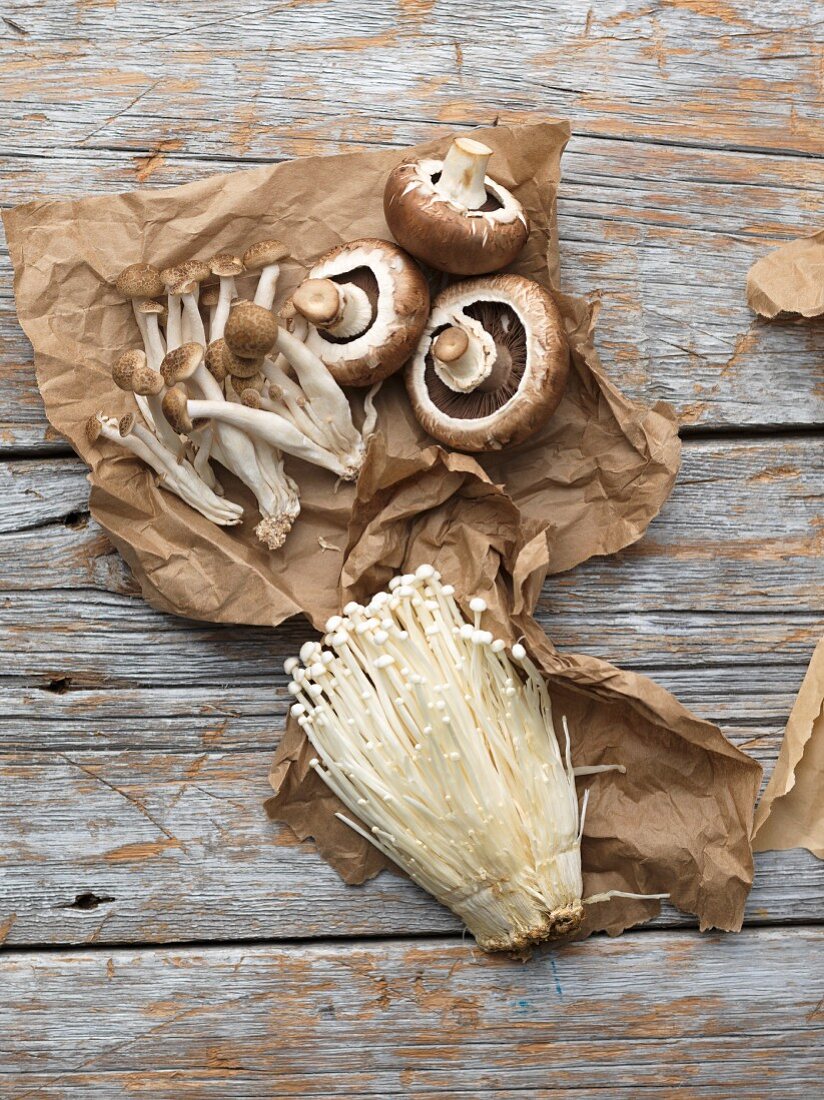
[791, 811]
[679, 820]
[598, 473]
[789, 280]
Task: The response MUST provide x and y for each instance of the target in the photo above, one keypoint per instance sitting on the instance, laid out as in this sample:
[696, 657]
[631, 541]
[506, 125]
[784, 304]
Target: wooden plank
[742, 530]
[658, 1014]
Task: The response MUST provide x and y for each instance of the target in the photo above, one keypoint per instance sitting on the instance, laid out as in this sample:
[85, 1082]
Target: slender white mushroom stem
[257, 423]
[267, 286]
[178, 478]
[227, 295]
[461, 180]
[174, 322]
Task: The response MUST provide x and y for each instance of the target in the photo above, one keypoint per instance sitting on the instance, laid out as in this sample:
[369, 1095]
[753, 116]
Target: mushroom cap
[126, 365]
[209, 296]
[529, 331]
[140, 281]
[176, 410]
[181, 278]
[126, 423]
[448, 237]
[149, 305]
[243, 382]
[401, 308]
[251, 330]
[225, 264]
[239, 366]
[263, 253]
[146, 382]
[214, 360]
[251, 398]
[287, 311]
[93, 428]
[181, 363]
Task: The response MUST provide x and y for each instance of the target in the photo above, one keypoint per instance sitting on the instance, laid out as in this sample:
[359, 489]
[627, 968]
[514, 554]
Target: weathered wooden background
[160, 936]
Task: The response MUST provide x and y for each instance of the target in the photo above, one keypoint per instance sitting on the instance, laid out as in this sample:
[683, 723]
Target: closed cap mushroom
[265, 257]
[453, 216]
[181, 363]
[491, 367]
[140, 281]
[250, 331]
[367, 304]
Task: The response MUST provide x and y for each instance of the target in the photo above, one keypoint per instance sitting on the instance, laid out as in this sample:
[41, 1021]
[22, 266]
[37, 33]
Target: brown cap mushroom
[176, 409]
[367, 302]
[181, 278]
[264, 253]
[140, 281]
[209, 296]
[451, 215]
[251, 330]
[214, 359]
[125, 367]
[226, 265]
[491, 367]
[181, 363]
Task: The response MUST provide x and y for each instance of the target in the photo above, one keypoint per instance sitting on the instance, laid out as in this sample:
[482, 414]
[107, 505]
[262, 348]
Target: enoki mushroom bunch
[222, 379]
[441, 741]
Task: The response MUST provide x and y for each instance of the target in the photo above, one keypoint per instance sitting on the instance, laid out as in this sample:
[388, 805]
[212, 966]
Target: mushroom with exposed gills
[453, 216]
[183, 284]
[178, 477]
[265, 257]
[492, 365]
[132, 374]
[260, 424]
[366, 303]
[232, 444]
[227, 268]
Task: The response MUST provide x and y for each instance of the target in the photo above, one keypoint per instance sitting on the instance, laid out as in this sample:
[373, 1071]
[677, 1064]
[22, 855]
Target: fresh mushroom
[132, 374]
[491, 367]
[178, 477]
[183, 285]
[227, 268]
[366, 303]
[265, 257]
[140, 283]
[451, 215]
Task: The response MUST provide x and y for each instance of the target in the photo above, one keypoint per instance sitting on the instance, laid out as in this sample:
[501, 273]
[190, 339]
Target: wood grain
[658, 1015]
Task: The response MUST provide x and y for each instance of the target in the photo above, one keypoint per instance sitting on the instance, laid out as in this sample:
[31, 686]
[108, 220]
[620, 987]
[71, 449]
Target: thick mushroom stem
[178, 477]
[142, 403]
[462, 176]
[327, 399]
[463, 357]
[275, 492]
[256, 423]
[174, 322]
[193, 328]
[341, 309]
[267, 286]
[156, 347]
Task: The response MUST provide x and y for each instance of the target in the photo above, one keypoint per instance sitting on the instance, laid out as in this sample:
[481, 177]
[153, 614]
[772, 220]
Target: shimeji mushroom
[451, 215]
[231, 444]
[132, 374]
[140, 283]
[227, 268]
[183, 286]
[442, 742]
[366, 303]
[491, 367]
[265, 257]
[176, 475]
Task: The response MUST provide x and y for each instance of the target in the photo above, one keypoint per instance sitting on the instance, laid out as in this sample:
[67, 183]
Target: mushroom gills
[501, 384]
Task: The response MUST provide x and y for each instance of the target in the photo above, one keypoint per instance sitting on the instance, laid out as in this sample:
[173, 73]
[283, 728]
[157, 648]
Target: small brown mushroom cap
[251, 330]
[215, 359]
[181, 363]
[239, 366]
[149, 305]
[146, 382]
[126, 365]
[225, 264]
[243, 383]
[140, 281]
[263, 253]
[93, 428]
[182, 278]
[126, 423]
[176, 410]
[526, 381]
[446, 237]
[209, 296]
[399, 294]
[251, 398]
[287, 311]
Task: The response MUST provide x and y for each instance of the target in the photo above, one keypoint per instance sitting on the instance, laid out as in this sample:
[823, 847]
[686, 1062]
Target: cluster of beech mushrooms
[440, 740]
[228, 380]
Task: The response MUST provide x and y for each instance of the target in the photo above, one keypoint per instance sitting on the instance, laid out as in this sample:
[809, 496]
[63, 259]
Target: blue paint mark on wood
[558, 987]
